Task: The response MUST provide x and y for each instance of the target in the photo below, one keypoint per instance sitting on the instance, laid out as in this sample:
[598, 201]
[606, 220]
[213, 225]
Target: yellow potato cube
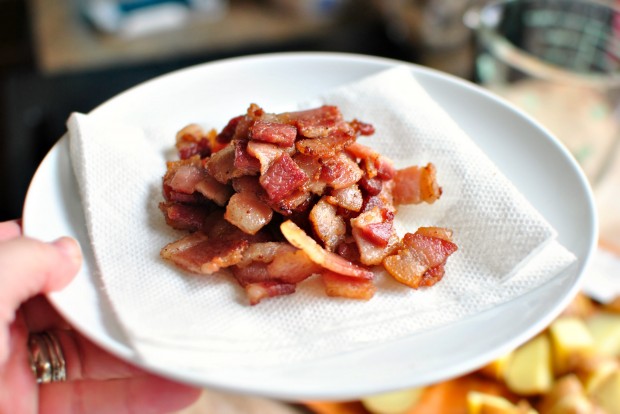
[496, 369]
[529, 371]
[607, 393]
[397, 402]
[594, 369]
[605, 329]
[573, 404]
[565, 397]
[481, 403]
[580, 307]
[571, 341]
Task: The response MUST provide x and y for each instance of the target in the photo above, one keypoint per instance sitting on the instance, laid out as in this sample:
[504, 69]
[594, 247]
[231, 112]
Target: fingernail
[69, 248]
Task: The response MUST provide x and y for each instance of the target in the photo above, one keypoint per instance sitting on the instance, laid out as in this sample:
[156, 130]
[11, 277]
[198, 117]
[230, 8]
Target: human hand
[96, 381]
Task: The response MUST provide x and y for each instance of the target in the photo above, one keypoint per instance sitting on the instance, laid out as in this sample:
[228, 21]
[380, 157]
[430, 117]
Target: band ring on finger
[46, 358]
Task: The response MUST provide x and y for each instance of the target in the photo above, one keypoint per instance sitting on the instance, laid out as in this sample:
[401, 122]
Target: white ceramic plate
[536, 163]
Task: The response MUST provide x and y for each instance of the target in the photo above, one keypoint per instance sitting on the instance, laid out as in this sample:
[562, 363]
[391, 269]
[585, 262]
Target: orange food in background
[569, 392]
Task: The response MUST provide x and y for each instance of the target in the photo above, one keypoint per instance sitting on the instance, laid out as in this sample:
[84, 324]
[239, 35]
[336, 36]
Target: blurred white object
[557, 60]
[602, 281]
[608, 202]
[132, 18]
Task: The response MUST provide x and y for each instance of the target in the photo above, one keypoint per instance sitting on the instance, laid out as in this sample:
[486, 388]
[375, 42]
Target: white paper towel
[203, 322]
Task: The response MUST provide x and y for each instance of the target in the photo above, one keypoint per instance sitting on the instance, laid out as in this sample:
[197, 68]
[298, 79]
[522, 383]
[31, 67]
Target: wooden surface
[64, 42]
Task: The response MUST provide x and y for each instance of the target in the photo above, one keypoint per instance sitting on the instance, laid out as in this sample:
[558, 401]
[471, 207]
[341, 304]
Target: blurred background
[71, 55]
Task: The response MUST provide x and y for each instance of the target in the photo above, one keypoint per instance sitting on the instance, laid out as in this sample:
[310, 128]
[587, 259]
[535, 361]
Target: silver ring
[46, 358]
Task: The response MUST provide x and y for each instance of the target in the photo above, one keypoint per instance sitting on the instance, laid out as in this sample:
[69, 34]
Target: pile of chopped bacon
[278, 198]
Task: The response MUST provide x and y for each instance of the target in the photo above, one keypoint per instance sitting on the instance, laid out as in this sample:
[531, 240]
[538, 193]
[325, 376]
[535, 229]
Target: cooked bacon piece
[320, 122]
[349, 198]
[362, 128]
[245, 163]
[296, 202]
[190, 132]
[248, 213]
[199, 253]
[386, 195]
[383, 200]
[385, 168]
[193, 140]
[214, 190]
[184, 217]
[433, 275]
[255, 112]
[227, 133]
[312, 167]
[217, 227]
[292, 266]
[325, 147]
[362, 152]
[376, 165]
[176, 197]
[439, 232]
[298, 238]
[242, 131]
[374, 234]
[221, 165]
[378, 233]
[417, 258]
[264, 252]
[414, 185]
[274, 133]
[329, 227]
[182, 176]
[259, 291]
[265, 153]
[282, 178]
[347, 287]
[276, 262]
[253, 272]
[185, 179]
[340, 171]
[372, 202]
[348, 250]
[371, 186]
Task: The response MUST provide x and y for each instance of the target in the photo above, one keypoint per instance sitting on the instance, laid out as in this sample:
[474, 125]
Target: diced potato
[605, 329]
[571, 341]
[607, 393]
[529, 371]
[581, 306]
[613, 306]
[397, 402]
[497, 369]
[481, 403]
[574, 404]
[564, 388]
[594, 369]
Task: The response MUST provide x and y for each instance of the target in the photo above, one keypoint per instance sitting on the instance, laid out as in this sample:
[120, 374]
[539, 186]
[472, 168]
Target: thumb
[29, 267]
